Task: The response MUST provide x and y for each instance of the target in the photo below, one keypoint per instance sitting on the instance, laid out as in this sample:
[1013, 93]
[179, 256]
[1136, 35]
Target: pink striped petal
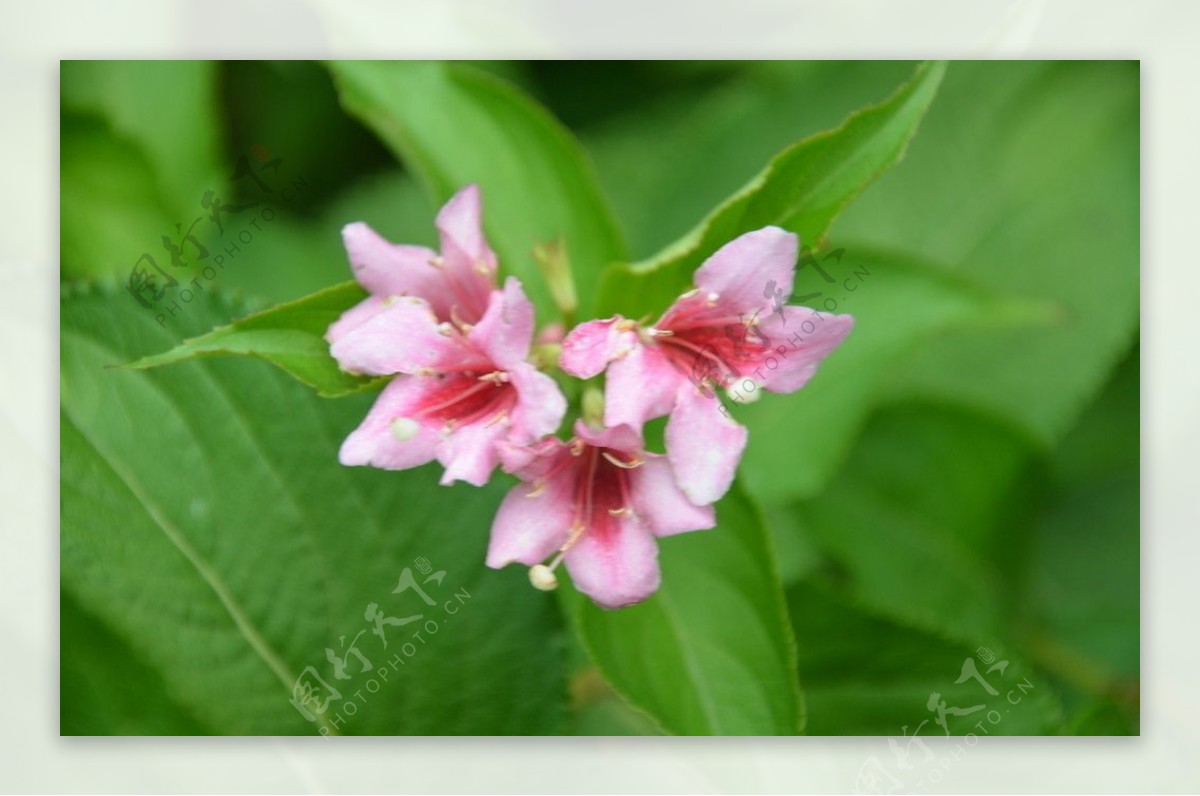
[800, 342]
[740, 270]
[661, 504]
[590, 346]
[506, 330]
[531, 524]
[704, 446]
[640, 387]
[387, 437]
[617, 564]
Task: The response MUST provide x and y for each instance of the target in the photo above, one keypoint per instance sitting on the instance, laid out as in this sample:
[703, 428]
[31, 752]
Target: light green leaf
[207, 524]
[1025, 178]
[291, 336]
[711, 652]
[803, 189]
[797, 441]
[455, 125]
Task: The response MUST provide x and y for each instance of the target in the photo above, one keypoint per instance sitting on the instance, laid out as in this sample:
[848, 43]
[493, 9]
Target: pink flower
[456, 283]
[727, 332]
[464, 388]
[596, 503]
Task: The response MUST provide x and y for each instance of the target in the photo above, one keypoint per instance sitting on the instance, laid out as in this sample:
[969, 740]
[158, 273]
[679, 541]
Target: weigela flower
[456, 283]
[730, 331]
[597, 504]
[463, 387]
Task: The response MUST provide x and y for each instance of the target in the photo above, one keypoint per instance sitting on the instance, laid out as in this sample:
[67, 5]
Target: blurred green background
[960, 481]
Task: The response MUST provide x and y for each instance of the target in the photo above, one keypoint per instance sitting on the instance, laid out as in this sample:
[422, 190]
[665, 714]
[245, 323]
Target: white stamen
[437, 262]
[405, 428]
[542, 578]
[735, 391]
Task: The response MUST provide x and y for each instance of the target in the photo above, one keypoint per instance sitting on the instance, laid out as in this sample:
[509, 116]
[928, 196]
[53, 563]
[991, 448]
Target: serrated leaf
[455, 125]
[291, 336]
[711, 652]
[803, 189]
[206, 522]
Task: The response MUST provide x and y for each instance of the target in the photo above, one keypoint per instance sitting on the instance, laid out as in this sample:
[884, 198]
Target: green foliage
[710, 653]
[208, 528]
[455, 125]
[959, 480]
[290, 335]
[802, 189]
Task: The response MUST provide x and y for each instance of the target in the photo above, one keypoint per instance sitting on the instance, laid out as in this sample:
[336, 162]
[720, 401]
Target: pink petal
[703, 445]
[401, 338]
[739, 272]
[530, 526]
[616, 565]
[469, 453]
[506, 329]
[469, 262]
[640, 386]
[800, 340]
[529, 462]
[390, 269]
[660, 503]
[376, 443]
[540, 404]
[590, 346]
[354, 317]
[622, 438]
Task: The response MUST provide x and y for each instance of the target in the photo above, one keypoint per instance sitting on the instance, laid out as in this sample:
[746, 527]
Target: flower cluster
[466, 394]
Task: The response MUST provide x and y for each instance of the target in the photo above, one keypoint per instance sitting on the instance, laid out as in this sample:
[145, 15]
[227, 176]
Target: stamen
[500, 418]
[630, 465]
[436, 262]
[445, 329]
[539, 487]
[577, 446]
[626, 325]
[459, 322]
[390, 301]
[623, 511]
[497, 377]
[542, 578]
[482, 268]
[660, 332]
[712, 298]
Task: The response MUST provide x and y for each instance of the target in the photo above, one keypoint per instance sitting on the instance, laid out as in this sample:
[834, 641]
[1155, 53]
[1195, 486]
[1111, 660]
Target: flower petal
[401, 338]
[533, 461]
[469, 263]
[356, 316]
[616, 564]
[661, 504]
[506, 330]
[806, 337]
[640, 386]
[739, 272]
[704, 446]
[590, 346]
[469, 453]
[391, 269]
[531, 525]
[622, 438]
[540, 404]
[384, 439]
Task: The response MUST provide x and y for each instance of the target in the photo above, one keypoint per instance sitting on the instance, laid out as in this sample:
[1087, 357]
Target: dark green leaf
[711, 652]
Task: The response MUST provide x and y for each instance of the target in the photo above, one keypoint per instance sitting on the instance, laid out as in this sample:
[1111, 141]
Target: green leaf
[797, 441]
[865, 674]
[291, 336]
[803, 189]
[710, 653]
[167, 109]
[1025, 178]
[455, 125]
[206, 522]
[928, 519]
